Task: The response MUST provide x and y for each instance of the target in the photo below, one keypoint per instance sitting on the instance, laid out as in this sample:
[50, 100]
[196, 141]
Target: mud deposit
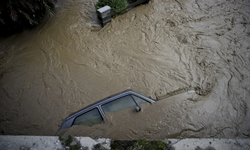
[69, 62]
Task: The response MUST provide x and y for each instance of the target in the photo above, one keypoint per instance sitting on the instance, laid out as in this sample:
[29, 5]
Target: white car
[95, 113]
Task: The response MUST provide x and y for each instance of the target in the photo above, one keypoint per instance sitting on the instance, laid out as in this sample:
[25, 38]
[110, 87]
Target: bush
[116, 5]
[138, 144]
[17, 15]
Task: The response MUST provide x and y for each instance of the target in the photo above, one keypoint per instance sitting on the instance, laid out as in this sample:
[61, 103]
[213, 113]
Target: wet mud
[69, 62]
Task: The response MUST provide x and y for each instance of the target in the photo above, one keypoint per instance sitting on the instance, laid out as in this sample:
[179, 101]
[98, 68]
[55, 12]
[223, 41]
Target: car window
[138, 100]
[119, 104]
[89, 118]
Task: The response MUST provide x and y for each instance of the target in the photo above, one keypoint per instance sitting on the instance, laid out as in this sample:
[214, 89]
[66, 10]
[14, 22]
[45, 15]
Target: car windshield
[93, 116]
[119, 104]
[89, 118]
[138, 100]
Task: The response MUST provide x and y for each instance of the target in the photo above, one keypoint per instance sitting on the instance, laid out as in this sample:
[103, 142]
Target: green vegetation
[70, 143]
[138, 145]
[68, 140]
[99, 147]
[18, 15]
[116, 5]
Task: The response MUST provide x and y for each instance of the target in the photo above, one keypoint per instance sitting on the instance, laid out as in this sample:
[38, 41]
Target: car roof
[109, 99]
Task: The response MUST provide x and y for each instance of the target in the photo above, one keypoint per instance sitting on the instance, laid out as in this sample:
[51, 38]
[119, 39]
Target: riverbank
[53, 143]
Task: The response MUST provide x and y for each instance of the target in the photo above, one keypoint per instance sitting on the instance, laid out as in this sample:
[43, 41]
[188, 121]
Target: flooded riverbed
[69, 62]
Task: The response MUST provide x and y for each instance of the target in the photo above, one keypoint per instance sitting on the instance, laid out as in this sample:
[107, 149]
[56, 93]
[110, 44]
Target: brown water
[69, 62]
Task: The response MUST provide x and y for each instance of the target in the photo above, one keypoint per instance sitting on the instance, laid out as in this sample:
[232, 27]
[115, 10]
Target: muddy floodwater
[69, 62]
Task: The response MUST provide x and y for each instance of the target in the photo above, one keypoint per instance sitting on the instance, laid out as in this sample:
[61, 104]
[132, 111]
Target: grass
[138, 145]
[70, 143]
[67, 143]
[116, 5]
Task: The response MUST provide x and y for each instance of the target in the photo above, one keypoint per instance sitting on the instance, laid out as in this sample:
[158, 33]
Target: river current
[69, 62]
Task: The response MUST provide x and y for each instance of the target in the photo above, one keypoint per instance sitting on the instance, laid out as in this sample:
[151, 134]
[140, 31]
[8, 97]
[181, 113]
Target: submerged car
[127, 100]
[95, 114]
